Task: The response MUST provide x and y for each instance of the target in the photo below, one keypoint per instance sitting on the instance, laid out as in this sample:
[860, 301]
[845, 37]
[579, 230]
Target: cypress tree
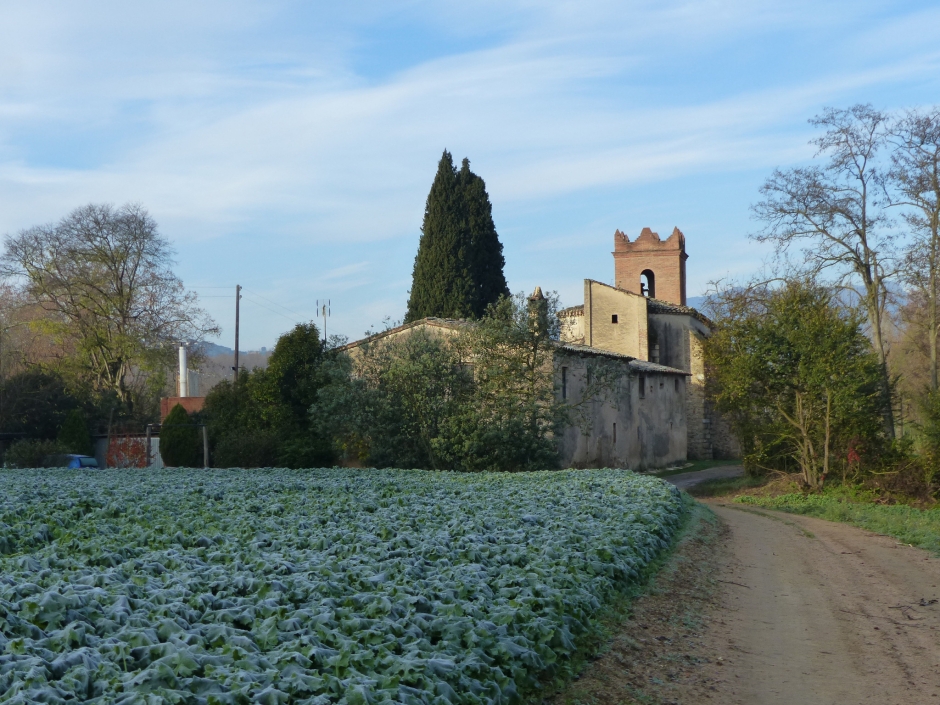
[458, 270]
[180, 445]
[487, 259]
[442, 284]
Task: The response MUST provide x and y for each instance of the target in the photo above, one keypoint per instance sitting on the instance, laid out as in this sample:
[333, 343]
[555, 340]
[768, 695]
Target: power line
[255, 293]
[266, 308]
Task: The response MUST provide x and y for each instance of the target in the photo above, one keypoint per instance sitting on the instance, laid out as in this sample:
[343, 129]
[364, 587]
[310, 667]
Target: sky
[289, 146]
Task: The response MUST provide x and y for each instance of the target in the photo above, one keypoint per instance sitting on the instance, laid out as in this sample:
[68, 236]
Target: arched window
[648, 283]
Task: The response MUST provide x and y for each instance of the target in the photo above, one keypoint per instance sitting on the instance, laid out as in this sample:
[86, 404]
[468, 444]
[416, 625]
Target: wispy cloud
[234, 121]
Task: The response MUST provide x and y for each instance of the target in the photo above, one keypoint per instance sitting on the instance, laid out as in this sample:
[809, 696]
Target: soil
[764, 607]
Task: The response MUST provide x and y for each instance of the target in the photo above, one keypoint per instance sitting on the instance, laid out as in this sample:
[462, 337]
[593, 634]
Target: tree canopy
[458, 269]
[797, 378]
[263, 418]
[103, 276]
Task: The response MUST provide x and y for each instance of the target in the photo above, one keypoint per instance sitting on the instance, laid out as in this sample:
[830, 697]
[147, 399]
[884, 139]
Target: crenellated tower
[650, 266]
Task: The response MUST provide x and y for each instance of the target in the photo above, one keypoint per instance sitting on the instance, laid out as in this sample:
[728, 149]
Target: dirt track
[772, 608]
[812, 611]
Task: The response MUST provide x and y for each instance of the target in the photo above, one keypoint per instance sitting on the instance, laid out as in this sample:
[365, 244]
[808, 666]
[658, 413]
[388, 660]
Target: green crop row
[317, 586]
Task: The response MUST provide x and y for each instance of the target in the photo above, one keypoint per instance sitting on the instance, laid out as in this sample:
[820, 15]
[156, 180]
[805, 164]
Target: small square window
[613, 318]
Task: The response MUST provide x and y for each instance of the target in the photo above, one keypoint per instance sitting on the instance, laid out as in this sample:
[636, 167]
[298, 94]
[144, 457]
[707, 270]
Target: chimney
[184, 372]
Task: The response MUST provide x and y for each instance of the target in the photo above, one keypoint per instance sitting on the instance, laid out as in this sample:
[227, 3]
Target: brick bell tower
[650, 266]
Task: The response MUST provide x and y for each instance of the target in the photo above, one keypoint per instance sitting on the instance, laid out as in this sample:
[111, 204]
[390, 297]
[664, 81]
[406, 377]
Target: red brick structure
[651, 267]
[191, 404]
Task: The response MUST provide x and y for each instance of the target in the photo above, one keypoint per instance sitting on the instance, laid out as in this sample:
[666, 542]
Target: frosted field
[310, 586]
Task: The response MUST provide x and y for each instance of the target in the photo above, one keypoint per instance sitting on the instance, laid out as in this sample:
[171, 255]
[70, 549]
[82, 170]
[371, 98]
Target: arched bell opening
[648, 283]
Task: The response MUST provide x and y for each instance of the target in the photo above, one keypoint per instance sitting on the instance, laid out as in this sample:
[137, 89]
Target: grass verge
[649, 650]
[916, 527]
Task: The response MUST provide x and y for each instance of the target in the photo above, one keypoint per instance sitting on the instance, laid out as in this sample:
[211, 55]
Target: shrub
[180, 442]
[74, 436]
[32, 453]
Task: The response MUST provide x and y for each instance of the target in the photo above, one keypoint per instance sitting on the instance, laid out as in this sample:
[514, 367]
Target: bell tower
[650, 266]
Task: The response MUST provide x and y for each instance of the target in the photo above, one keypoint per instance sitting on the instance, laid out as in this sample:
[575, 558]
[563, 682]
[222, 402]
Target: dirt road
[686, 480]
[767, 608]
[812, 611]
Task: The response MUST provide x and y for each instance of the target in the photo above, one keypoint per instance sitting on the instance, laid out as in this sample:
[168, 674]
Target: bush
[180, 442]
[262, 419]
[481, 399]
[74, 436]
[32, 453]
[245, 449]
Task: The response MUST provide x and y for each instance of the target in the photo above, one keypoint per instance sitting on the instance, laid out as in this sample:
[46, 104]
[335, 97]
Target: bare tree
[832, 211]
[104, 276]
[914, 183]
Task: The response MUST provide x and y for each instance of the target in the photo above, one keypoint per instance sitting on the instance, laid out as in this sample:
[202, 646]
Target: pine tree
[458, 270]
[487, 251]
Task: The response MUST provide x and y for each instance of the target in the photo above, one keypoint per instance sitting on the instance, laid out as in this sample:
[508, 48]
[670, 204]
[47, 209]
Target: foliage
[917, 527]
[471, 397]
[74, 436]
[487, 261]
[33, 453]
[831, 210]
[797, 379]
[180, 440]
[103, 276]
[315, 586]
[514, 414]
[36, 403]
[458, 269]
[262, 420]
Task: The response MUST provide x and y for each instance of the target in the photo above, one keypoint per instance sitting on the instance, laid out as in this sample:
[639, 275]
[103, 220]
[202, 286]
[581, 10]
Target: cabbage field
[316, 586]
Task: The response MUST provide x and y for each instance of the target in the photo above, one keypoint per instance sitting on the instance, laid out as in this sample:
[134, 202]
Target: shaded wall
[650, 431]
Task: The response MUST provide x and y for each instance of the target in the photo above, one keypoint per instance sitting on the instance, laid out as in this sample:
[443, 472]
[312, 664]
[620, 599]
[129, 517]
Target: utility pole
[238, 296]
[324, 310]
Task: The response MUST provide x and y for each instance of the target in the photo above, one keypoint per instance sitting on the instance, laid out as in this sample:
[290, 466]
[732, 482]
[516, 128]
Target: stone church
[644, 316]
[655, 414]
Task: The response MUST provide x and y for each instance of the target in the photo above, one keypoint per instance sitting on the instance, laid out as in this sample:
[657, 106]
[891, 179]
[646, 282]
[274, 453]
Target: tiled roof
[659, 306]
[638, 365]
[571, 311]
[450, 323]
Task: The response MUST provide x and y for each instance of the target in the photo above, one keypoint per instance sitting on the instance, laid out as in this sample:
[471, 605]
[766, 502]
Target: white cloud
[247, 118]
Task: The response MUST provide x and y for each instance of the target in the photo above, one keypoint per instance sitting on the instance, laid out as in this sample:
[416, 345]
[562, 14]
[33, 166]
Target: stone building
[644, 316]
[655, 413]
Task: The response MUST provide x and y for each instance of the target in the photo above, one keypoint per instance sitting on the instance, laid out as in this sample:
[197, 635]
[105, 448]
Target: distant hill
[213, 350]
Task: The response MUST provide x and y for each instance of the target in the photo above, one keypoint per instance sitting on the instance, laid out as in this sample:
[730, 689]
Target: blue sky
[289, 146]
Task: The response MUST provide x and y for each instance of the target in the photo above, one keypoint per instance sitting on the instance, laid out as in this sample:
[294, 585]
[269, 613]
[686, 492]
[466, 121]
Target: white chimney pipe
[184, 372]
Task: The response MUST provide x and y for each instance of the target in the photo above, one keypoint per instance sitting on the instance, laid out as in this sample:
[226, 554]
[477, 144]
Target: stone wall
[615, 320]
[621, 429]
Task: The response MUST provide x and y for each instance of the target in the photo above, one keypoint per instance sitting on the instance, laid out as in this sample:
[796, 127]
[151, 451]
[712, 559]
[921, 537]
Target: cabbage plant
[316, 586]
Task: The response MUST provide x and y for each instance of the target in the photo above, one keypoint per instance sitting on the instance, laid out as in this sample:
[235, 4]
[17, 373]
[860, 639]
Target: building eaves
[644, 366]
[432, 322]
[638, 365]
[571, 311]
[659, 306]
